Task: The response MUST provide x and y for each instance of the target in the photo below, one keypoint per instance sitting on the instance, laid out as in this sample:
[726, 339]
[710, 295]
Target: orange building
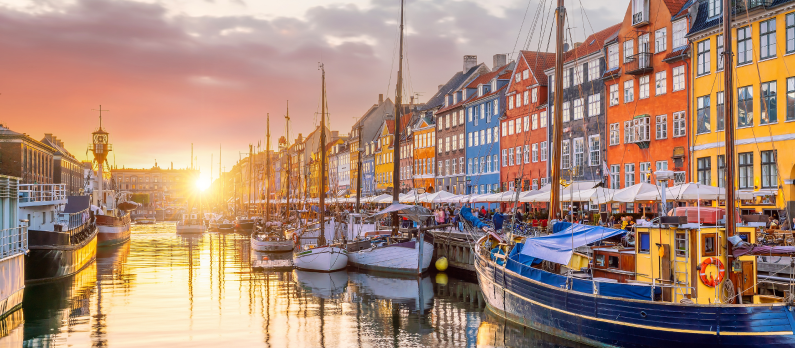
[424, 130]
[646, 82]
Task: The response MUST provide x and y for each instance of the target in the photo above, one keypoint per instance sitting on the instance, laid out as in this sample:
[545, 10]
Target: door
[746, 279]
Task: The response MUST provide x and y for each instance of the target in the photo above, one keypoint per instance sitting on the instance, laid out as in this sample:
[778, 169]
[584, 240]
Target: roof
[701, 22]
[450, 107]
[454, 82]
[674, 5]
[538, 62]
[472, 100]
[679, 52]
[683, 11]
[592, 43]
[486, 78]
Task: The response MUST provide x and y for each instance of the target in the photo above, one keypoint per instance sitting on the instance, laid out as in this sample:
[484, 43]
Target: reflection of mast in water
[191, 247]
[98, 337]
[111, 268]
[322, 321]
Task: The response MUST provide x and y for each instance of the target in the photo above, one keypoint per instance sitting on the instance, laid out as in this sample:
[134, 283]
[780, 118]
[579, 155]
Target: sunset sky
[176, 72]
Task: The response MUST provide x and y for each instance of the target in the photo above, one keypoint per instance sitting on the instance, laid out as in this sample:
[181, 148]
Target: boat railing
[74, 220]
[41, 194]
[13, 241]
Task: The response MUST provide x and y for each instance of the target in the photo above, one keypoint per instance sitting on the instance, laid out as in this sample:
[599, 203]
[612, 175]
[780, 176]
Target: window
[446, 167]
[593, 70]
[566, 114]
[615, 176]
[579, 149]
[769, 114]
[469, 166]
[659, 82]
[496, 135]
[461, 142]
[645, 172]
[510, 157]
[629, 174]
[496, 162]
[614, 134]
[526, 74]
[526, 96]
[535, 121]
[709, 245]
[679, 78]
[469, 114]
[469, 139]
[504, 128]
[641, 128]
[629, 91]
[594, 104]
[578, 75]
[612, 57]
[535, 153]
[455, 143]
[719, 112]
[565, 158]
[629, 134]
[518, 125]
[679, 32]
[629, 47]
[482, 137]
[542, 119]
[543, 151]
[518, 155]
[714, 8]
[518, 77]
[566, 77]
[702, 115]
[594, 149]
[791, 99]
[661, 127]
[745, 106]
[578, 109]
[767, 39]
[679, 124]
[790, 33]
[535, 95]
[661, 165]
[526, 123]
[746, 165]
[660, 39]
[680, 240]
[511, 127]
[488, 136]
[644, 87]
[504, 157]
[721, 170]
[744, 46]
[769, 169]
[613, 94]
[702, 65]
[704, 166]
[719, 52]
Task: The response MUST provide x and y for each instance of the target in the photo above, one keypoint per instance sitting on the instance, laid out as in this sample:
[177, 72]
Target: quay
[457, 247]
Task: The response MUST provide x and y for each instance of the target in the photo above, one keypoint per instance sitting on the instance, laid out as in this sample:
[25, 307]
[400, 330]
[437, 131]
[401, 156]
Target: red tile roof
[538, 62]
[592, 44]
[674, 6]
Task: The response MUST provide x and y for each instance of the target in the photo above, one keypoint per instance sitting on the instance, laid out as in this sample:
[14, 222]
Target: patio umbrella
[595, 195]
[686, 192]
[629, 194]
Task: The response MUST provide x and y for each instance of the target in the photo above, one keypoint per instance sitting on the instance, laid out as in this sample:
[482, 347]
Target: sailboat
[679, 269]
[391, 253]
[322, 256]
[270, 237]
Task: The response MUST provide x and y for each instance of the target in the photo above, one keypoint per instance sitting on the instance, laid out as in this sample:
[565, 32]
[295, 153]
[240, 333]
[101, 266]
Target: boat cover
[76, 204]
[559, 246]
[414, 213]
[520, 263]
[761, 250]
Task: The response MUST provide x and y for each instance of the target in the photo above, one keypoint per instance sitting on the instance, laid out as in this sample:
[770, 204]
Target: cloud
[171, 79]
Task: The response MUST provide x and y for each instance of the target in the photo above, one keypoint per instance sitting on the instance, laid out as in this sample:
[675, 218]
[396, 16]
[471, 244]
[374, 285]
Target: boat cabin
[612, 263]
[689, 260]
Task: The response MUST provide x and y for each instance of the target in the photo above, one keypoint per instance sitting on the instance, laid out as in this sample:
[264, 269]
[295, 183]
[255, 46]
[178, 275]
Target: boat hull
[401, 258]
[188, 229]
[51, 262]
[112, 230]
[281, 246]
[245, 227]
[603, 321]
[13, 285]
[323, 259]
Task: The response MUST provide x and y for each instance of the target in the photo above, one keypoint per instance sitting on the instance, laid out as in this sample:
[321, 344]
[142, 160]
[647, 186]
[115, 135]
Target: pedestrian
[497, 219]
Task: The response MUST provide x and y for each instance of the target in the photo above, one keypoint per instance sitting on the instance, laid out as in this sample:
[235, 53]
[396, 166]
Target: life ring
[295, 238]
[711, 282]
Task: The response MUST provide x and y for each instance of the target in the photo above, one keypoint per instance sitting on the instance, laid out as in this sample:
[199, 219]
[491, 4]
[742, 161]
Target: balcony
[743, 6]
[640, 18]
[41, 194]
[638, 64]
[13, 241]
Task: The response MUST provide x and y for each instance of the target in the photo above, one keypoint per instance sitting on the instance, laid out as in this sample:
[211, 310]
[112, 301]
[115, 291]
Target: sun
[203, 184]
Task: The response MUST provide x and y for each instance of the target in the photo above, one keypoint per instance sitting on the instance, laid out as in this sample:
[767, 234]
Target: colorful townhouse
[647, 90]
[368, 169]
[384, 156]
[764, 37]
[363, 131]
[450, 124]
[582, 145]
[483, 112]
[406, 158]
[424, 153]
[523, 128]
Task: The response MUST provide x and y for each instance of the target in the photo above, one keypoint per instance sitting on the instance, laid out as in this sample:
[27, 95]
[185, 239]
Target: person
[439, 217]
[644, 221]
[475, 212]
[483, 211]
[630, 224]
[497, 219]
[624, 222]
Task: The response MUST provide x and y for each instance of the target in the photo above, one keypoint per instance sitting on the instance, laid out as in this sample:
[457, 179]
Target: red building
[523, 142]
[646, 83]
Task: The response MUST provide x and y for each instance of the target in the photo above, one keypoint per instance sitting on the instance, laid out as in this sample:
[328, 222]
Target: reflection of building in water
[113, 276]
[454, 300]
[497, 332]
[11, 329]
[55, 307]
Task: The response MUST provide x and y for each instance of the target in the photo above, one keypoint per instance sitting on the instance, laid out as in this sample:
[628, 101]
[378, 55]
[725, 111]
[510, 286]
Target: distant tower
[100, 148]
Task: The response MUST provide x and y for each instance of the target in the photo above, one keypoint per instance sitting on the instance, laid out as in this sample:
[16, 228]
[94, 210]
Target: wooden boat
[410, 256]
[145, 220]
[113, 229]
[244, 225]
[190, 224]
[271, 242]
[323, 285]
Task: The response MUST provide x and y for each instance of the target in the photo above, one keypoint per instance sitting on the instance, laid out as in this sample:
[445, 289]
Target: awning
[415, 213]
[559, 247]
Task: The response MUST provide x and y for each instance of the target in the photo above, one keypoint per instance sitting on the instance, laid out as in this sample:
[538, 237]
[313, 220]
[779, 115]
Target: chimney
[440, 88]
[48, 136]
[470, 62]
[500, 60]
[380, 99]
[577, 44]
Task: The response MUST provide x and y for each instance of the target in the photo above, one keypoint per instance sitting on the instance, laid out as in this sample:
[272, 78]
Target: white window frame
[615, 134]
[594, 150]
[535, 152]
[594, 104]
[643, 83]
[678, 78]
[614, 99]
[543, 150]
[660, 85]
[661, 127]
[660, 40]
[679, 124]
[629, 91]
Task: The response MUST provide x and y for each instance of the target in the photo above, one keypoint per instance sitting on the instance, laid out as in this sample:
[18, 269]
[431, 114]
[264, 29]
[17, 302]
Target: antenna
[100, 115]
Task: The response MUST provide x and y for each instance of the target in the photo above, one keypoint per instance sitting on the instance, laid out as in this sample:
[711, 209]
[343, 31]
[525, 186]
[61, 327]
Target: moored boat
[190, 224]
[321, 259]
[244, 225]
[13, 247]
[113, 229]
[146, 220]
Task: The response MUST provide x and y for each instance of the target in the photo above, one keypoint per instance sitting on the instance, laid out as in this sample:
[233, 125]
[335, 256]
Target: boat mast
[728, 115]
[322, 173]
[395, 141]
[359, 171]
[289, 157]
[557, 117]
[268, 171]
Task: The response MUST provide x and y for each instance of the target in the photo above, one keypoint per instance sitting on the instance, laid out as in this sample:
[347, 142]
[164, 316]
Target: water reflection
[496, 332]
[164, 289]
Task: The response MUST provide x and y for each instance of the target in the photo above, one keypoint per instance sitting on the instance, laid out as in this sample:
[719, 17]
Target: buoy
[441, 278]
[264, 258]
[441, 264]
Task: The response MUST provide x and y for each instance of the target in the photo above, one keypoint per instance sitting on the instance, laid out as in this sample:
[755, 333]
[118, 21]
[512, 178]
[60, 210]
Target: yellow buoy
[441, 278]
[441, 264]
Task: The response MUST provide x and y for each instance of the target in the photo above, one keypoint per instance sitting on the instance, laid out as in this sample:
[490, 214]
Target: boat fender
[711, 281]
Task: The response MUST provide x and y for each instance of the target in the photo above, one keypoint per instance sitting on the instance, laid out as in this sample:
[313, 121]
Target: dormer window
[480, 90]
[714, 8]
[494, 85]
[455, 98]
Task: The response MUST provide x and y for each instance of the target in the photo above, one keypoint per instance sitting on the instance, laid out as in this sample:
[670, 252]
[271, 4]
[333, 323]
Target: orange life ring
[295, 238]
[711, 281]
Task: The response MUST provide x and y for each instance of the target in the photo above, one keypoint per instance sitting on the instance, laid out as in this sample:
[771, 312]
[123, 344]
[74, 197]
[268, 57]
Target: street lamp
[663, 176]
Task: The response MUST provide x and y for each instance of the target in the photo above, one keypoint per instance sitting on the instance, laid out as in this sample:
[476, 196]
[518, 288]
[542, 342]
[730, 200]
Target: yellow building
[764, 74]
[384, 156]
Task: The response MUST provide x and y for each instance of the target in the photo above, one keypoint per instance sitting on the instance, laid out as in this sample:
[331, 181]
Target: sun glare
[203, 184]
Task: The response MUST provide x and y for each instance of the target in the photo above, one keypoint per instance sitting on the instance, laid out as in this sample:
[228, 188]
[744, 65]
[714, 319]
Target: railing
[73, 220]
[680, 178]
[741, 6]
[638, 64]
[639, 18]
[30, 194]
[13, 241]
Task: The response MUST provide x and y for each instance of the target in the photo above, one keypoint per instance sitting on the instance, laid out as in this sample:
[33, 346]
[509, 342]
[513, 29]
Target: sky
[172, 73]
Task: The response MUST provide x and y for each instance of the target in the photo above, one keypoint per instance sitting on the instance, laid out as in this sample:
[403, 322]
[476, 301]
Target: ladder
[681, 275]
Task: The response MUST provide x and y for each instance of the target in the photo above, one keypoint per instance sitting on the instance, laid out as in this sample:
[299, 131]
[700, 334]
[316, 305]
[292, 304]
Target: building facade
[67, 169]
[26, 158]
[424, 154]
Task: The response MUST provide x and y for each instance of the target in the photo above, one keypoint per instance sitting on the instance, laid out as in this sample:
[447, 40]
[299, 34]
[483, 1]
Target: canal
[160, 289]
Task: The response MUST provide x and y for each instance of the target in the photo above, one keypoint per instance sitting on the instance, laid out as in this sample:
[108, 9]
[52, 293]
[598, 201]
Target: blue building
[483, 113]
[368, 170]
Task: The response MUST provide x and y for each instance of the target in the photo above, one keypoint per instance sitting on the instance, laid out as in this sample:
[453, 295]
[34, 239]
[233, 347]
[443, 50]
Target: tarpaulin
[558, 247]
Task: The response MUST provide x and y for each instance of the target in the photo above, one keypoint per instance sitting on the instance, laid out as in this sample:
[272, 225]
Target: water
[165, 290]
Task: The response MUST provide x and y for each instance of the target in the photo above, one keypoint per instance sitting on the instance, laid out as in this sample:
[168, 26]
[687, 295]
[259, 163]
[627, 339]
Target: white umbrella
[454, 199]
[437, 197]
[595, 195]
[629, 194]
[384, 198]
[686, 192]
[537, 197]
